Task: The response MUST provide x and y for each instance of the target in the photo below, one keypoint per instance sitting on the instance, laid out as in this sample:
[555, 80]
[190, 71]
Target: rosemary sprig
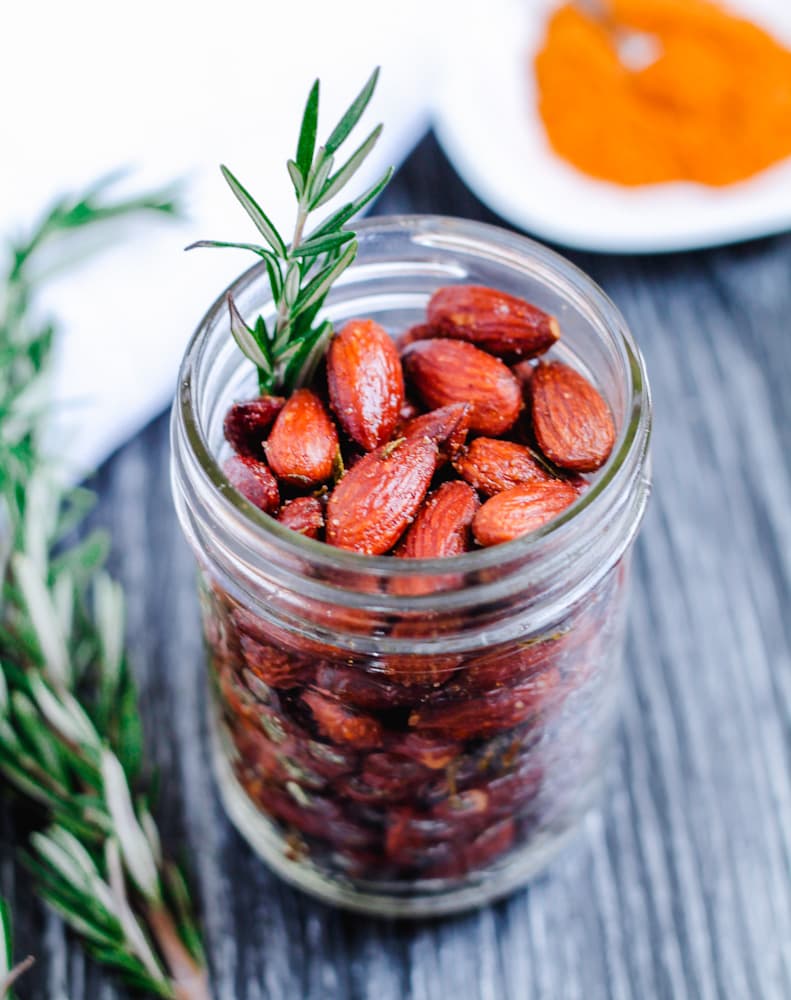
[70, 732]
[287, 351]
[9, 973]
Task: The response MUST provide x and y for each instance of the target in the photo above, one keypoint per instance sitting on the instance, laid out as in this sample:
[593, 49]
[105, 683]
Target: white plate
[487, 122]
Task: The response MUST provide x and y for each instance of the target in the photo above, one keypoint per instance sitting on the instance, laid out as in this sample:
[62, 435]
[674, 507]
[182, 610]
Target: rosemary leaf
[224, 245]
[128, 739]
[313, 349]
[273, 271]
[74, 508]
[343, 215]
[136, 978]
[307, 134]
[39, 742]
[291, 284]
[243, 336]
[108, 603]
[43, 618]
[320, 285]
[63, 597]
[178, 895]
[353, 115]
[312, 248]
[21, 775]
[134, 845]
[9, 975]
[347, 171]
[82, 560]
[318, 177]
[296, 178]
[6, 941]
[250, 205]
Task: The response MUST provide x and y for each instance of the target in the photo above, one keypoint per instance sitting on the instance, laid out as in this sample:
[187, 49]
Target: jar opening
[401, 260]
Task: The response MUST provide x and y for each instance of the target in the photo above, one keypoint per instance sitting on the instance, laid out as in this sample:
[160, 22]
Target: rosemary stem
[14, 974]
[302, 216]
[190, 981]
[66, 732]
[136, 939]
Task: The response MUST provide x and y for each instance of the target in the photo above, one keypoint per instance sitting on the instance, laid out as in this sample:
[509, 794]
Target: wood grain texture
[680, 886]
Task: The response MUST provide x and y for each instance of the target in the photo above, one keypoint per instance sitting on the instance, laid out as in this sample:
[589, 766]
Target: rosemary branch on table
[288, 350]
[70, 730]
[9, 973]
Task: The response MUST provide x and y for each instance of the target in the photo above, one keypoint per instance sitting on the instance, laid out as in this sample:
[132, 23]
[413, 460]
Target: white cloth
[171, 89]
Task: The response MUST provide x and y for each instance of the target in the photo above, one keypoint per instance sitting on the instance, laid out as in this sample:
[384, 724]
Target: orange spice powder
[714, 107]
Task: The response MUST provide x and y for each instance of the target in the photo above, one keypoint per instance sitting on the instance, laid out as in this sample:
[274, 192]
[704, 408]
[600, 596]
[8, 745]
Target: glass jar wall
[413, 737]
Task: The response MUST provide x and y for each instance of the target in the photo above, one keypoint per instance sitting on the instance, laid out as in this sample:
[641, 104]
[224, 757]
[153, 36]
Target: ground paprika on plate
[714, 107]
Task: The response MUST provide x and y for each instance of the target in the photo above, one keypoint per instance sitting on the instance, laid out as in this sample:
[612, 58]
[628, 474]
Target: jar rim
[627, 455]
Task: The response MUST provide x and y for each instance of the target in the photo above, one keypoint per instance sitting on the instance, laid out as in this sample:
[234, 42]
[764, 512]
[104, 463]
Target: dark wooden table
[681, 885]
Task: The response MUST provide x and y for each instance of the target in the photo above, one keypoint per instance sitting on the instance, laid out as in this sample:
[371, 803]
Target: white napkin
[171, 89]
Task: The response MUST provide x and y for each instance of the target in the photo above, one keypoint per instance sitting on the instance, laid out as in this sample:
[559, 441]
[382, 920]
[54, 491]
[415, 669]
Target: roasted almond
[447, 427]
[362, 688]
[521, 509]
[442, 526]
[432, 752]
[571, 421]
[474, 718]
[366, 382]
[253, 480]
[341, 724]
[304, 515]
[503, 324]
[510, 667]
[272, 665]
[303, 444]
[452, 371]
[471, 856]
[491, 465]
[421, 331]
[246, 424]
[408, 412]
[372, 505]
[415, 670]
[524, 372]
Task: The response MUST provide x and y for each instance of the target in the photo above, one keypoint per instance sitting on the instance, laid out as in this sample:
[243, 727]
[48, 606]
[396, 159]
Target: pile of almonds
[450, 437]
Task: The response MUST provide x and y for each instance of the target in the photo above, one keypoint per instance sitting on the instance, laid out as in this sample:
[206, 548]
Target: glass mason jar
[470, 701]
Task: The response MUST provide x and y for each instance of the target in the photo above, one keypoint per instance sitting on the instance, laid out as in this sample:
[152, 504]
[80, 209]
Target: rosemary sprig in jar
[287, 351]
[70, 732]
